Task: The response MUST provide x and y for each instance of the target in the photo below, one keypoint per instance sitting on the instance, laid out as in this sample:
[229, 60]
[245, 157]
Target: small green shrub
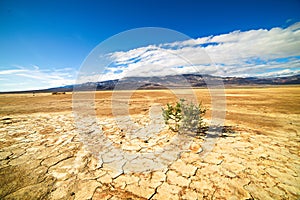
[184, 117]
[172, 116]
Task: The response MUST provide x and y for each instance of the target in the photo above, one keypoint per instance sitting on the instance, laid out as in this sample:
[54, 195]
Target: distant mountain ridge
[170, 81]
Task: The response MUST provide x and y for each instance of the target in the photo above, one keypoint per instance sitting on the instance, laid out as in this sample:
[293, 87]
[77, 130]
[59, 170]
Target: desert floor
[44, 154]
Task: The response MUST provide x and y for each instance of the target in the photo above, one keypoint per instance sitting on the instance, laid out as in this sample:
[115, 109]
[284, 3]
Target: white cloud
[248, 53]
[32, 78]
[284, 72]
[11, 71]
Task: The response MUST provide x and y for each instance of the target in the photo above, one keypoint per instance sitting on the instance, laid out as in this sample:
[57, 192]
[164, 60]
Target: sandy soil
[43, 155]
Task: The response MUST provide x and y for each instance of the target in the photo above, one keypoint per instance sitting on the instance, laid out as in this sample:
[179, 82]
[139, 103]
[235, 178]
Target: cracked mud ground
[42, 155]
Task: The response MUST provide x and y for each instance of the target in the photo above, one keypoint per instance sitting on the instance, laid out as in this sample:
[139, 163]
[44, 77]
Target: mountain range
[172, 81]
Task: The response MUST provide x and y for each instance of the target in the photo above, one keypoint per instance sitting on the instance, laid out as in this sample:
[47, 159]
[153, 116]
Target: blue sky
[44, 43]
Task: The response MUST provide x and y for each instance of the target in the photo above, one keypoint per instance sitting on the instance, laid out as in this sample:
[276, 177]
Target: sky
[46, 44]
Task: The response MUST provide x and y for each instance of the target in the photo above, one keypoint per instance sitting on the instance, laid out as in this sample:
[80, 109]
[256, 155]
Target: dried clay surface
[44, 155]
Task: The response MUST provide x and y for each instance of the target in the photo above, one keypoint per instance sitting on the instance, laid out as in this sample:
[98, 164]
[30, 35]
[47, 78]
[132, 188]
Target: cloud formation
[33, 78]
[262, 52]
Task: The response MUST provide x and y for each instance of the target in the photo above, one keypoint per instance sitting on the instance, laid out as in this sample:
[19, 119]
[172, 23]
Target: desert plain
[43, 155]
